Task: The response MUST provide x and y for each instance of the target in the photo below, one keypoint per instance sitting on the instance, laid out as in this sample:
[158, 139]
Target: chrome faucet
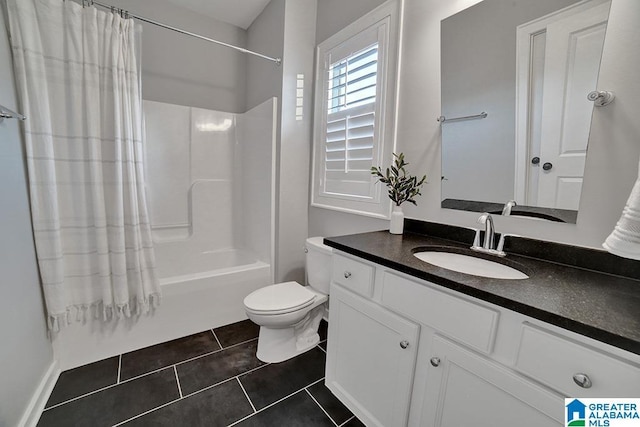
[488, 246]
[489, 231]
[506, 211]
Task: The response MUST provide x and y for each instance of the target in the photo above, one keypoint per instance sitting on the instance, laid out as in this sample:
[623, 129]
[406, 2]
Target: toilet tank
[318, 264]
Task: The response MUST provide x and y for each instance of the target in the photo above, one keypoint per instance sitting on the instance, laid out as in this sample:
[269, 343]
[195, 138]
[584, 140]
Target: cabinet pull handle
[435, 362]
[404, 344]
[582, 380]
[347, 274]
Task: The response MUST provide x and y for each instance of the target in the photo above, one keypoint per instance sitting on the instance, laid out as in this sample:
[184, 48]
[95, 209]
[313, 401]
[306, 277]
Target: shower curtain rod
[278, 61]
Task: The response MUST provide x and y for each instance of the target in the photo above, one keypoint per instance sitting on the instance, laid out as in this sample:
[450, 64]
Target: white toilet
[289, 313]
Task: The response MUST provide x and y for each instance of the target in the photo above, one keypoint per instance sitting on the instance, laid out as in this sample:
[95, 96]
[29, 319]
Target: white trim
[39, 399]
[350, 211]
[274, 191]
[388, 19]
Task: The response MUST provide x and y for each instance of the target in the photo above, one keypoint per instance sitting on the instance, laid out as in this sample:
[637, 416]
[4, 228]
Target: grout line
[216, 337]
[274, 403]
[111, 386]
[106, 388]
[320, 406]
[245, 393]
[119, 368]
[215, 351]
[315, 382]
[225, 380]
[187, 360]
[175, 371]
[182, 397]
[121, 381]
[344, 423]
[146, 412]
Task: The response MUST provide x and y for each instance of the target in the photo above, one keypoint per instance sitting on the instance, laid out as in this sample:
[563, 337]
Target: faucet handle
[507, 207]
[482, 219]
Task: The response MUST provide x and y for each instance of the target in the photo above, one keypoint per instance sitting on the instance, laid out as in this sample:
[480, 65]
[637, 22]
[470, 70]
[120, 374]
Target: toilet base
[278, 345]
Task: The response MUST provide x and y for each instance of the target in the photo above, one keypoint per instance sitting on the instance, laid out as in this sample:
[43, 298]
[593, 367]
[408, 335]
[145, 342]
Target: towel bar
[6, 113]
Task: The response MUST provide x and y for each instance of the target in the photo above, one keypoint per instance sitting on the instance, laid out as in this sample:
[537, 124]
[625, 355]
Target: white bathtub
[209, 296]
[176, 268]
[208, 290]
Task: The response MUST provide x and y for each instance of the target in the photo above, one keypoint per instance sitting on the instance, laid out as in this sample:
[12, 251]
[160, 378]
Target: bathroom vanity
[414, 344]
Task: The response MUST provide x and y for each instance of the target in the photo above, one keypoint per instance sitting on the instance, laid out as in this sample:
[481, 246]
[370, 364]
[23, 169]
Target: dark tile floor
[207, 379]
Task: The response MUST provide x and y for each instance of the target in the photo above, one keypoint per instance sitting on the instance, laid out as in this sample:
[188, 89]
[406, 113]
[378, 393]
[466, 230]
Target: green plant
[403, 187]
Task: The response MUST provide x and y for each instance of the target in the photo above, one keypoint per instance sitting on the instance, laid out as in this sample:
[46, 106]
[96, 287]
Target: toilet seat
[280, 298]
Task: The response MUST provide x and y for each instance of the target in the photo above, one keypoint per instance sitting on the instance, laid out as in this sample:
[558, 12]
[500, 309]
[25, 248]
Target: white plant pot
[397, 220]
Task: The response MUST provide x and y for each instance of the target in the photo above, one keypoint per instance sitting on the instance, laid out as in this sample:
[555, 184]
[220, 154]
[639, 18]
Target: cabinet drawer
[462, 320]
[554, 360]
[353, 275]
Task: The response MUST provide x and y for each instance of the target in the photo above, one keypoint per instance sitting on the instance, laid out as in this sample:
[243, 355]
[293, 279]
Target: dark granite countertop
[602, 306]
[549, 214]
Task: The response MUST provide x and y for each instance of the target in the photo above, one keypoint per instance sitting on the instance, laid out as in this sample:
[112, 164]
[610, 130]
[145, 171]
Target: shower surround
[210, 189]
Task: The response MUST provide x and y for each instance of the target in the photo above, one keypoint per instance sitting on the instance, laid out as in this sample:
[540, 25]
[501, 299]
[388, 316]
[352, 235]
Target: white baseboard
[40, 396]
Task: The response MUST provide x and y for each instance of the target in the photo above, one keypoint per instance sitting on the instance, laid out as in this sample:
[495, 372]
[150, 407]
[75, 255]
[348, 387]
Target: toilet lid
[278, 297]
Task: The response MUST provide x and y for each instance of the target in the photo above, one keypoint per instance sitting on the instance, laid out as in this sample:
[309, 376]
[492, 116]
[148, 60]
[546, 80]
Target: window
[353, 126]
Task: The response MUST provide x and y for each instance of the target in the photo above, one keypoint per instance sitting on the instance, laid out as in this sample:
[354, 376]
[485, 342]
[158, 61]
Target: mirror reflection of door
[563, 59]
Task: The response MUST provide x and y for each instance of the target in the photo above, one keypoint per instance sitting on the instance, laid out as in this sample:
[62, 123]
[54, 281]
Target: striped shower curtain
[78, 82]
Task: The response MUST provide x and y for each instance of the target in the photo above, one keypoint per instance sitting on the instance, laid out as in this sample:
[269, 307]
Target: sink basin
[470, 265]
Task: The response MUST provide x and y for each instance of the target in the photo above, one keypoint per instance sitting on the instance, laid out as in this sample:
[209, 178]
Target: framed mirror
[515, 110]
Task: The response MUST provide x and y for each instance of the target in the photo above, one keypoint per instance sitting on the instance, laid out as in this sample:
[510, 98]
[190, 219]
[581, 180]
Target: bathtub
[200, 291]
[174, 268]
[213, 285]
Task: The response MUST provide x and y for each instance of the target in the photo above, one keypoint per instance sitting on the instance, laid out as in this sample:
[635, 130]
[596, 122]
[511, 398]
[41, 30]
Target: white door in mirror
[572, 60]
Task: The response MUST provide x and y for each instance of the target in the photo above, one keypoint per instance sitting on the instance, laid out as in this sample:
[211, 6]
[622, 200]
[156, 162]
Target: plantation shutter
[350, 134]
[354, 113]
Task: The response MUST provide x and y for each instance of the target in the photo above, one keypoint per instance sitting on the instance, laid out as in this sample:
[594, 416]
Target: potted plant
[403, 187]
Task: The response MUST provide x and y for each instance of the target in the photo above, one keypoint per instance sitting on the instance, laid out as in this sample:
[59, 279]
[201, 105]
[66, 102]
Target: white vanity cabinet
[404, 351]
[371, 357]
[467, 389]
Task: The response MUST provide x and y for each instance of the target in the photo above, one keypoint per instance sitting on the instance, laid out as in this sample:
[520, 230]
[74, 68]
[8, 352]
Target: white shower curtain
[79, 85]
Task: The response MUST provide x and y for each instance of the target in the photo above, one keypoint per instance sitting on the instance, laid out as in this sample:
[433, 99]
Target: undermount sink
[470, 265]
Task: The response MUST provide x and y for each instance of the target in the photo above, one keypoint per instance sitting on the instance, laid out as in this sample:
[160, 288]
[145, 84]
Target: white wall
[257, 136]
[612, 162]
[334, 15]
[179, 69]
[286, 28]
[265, 35]
[25, 351]
[295, 140]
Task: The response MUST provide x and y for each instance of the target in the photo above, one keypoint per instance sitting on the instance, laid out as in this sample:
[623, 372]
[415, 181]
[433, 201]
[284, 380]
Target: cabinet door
[371, 354]
[466, 389]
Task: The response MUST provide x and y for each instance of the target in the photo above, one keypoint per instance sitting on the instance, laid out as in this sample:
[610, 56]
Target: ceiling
[240, 13]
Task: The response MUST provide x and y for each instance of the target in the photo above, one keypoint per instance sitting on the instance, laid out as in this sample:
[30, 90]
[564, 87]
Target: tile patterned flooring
[207, 379]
